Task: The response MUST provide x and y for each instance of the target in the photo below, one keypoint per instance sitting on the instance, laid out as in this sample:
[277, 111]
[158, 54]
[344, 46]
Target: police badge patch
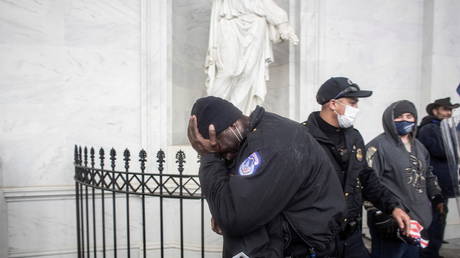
[250, 164]
[359, 154]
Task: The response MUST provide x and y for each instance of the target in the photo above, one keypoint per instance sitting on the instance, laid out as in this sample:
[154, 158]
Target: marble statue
[240, 49]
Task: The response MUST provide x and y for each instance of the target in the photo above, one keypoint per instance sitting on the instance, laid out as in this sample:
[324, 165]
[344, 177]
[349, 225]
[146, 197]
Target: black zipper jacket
[281, 176]
[359, 181]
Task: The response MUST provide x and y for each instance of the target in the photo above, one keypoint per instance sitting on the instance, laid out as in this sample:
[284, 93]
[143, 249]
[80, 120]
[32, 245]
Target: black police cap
[340, 87]
[213, 110]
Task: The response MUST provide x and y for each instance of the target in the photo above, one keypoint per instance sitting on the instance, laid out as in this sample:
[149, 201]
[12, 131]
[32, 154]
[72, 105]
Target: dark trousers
[351, 246]
[436, 233]
[394, 248]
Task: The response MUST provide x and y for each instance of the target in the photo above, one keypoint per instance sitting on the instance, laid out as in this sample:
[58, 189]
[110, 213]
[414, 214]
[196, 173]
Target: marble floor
[451, 250]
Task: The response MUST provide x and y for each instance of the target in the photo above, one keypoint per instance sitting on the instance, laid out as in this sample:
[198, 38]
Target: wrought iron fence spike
[161, 160]
[142, 159]
[79, 155]
[113, 157]
[126, 158]
[85, 155]
[101, 157]
[75, 154]
[180, 160]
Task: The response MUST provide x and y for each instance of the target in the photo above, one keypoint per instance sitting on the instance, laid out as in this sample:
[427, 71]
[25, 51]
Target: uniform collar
[325, 126]
[315, 129]
[256, 117]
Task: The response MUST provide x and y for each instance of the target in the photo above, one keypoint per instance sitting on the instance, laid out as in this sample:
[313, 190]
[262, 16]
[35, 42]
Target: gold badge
[359, 155]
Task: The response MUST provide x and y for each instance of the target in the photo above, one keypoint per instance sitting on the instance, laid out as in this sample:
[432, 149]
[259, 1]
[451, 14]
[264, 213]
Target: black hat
[445, 102]
[404, 106]
[340, 87]
[216, 111]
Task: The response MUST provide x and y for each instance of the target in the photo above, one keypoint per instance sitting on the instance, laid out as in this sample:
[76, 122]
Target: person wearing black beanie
[265, 180]
[402, 165]
[402, 107]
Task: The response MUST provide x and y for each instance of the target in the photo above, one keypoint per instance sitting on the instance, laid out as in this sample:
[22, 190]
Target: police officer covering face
[333, 128]
[268, 183]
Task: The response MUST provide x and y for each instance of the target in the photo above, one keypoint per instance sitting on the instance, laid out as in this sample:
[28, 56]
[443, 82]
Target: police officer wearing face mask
[333, 128]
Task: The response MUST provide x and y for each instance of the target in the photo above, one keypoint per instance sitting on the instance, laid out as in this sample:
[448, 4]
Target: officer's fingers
[215, 227]
[212, 135]
[404, 222]
[219, 231]
[190, 130]
[407, 222]
[400, 222]
[196, 132]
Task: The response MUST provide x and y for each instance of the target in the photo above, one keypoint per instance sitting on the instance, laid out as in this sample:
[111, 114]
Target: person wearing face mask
[430, 135]
[403, 165]
[267, 199]
[333, 128]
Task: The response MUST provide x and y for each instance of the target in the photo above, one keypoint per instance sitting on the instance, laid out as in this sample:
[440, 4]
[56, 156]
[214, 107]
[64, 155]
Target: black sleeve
[432, 140]
[432, 186]
[373, 189]
[241, 204]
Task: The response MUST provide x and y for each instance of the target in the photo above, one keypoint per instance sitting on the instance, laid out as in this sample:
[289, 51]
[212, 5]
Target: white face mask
[348, 118]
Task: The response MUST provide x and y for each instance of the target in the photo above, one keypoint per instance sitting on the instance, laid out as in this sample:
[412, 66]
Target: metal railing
[95, 186]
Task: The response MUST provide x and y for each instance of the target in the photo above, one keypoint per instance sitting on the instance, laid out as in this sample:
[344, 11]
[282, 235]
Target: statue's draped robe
[240, 50]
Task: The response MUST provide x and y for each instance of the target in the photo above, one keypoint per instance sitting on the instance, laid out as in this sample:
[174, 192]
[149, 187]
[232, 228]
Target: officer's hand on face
[402, 219]
[215, 227]
[198, 142]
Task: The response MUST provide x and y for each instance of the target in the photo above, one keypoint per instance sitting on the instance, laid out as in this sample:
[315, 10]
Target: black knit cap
[404, 107]
[213, 110]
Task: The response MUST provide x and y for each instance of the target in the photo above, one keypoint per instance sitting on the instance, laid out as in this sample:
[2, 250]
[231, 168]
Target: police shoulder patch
[250, 165]
[370, 155]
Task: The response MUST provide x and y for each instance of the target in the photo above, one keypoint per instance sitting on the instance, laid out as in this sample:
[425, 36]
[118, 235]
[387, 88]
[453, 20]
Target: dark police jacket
[359, 180]
[281, 180]
[429, 133]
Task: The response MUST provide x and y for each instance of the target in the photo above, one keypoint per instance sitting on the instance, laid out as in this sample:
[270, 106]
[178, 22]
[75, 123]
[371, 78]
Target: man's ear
[331, 105]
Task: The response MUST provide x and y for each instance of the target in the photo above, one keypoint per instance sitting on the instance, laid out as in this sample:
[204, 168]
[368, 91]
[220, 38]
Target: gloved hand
[385, 224]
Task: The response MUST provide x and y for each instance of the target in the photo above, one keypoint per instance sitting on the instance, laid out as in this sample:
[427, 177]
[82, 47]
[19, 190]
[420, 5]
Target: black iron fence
[103, 191]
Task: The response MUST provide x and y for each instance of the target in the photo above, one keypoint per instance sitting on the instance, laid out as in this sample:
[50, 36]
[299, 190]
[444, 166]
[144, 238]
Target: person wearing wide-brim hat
[441, 108]
[430, 135]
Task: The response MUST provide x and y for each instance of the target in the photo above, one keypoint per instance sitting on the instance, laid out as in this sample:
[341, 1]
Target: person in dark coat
[403, 164]
[269, 186]
[430, 135]
[333, 128]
